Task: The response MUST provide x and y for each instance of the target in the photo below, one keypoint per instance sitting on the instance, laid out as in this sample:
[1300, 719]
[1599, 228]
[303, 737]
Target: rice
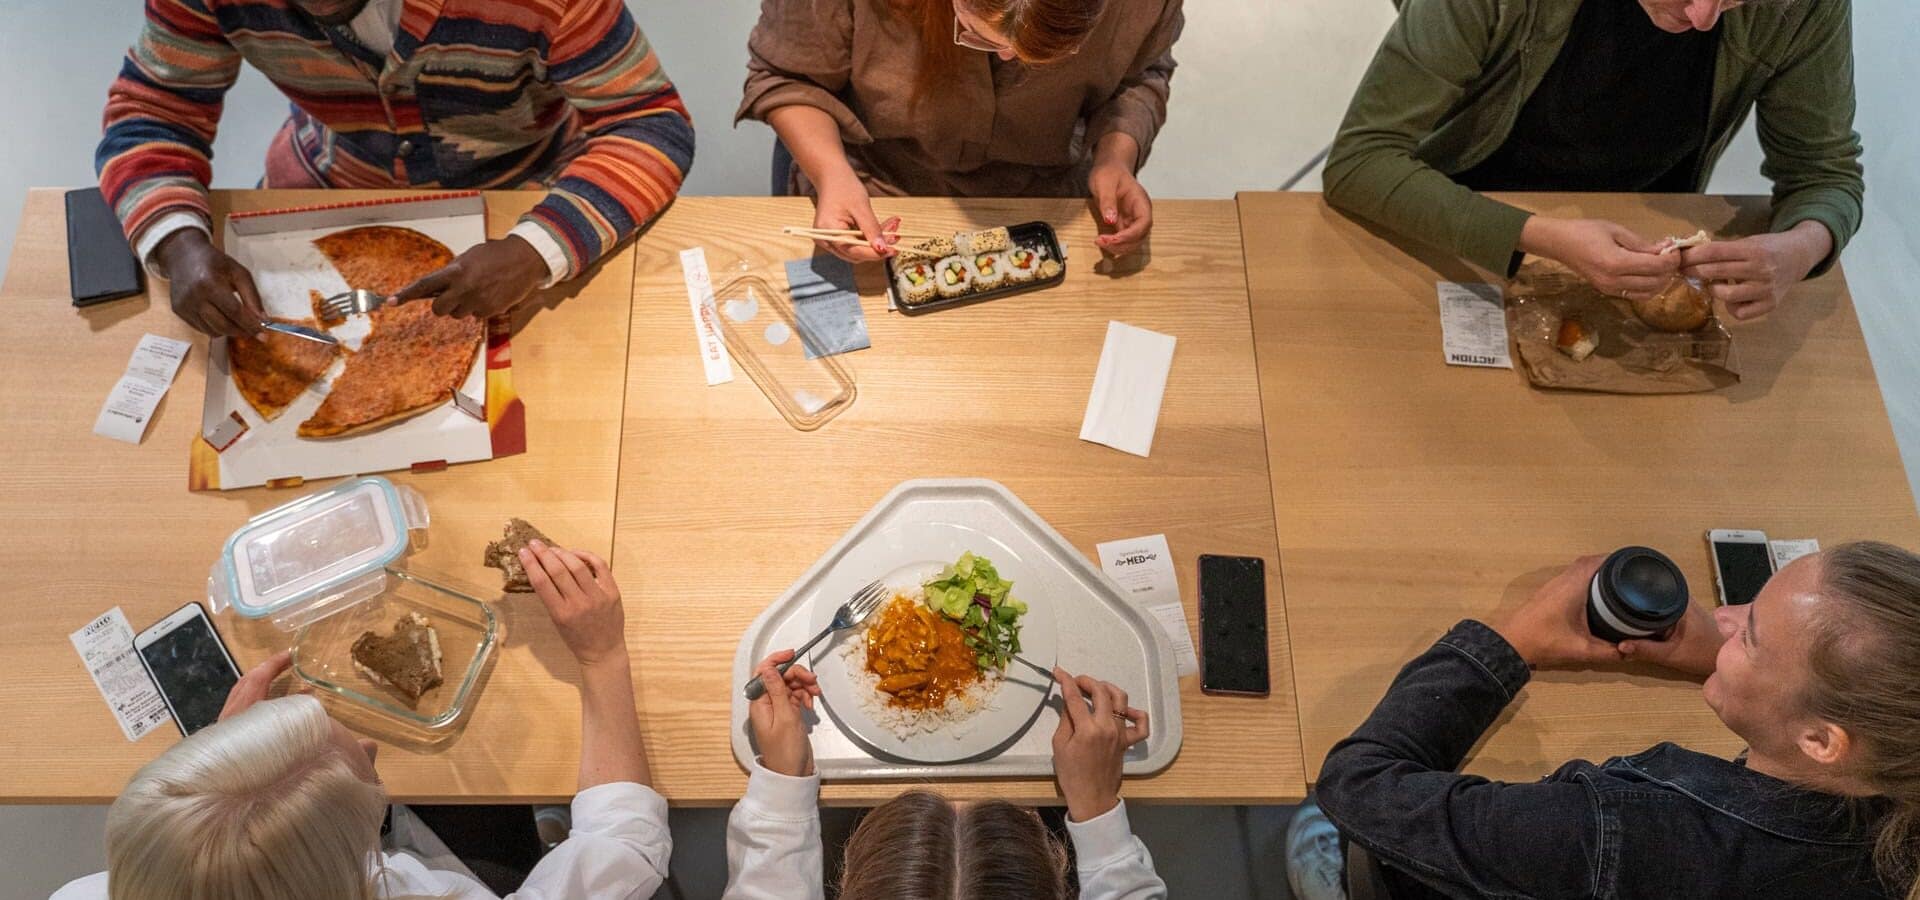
[905, 723]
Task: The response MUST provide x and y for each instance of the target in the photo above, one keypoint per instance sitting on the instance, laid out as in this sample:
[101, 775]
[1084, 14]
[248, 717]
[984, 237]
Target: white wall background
[1261, 85]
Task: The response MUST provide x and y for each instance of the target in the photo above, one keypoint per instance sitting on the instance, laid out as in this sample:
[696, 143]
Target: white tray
[1101, 633]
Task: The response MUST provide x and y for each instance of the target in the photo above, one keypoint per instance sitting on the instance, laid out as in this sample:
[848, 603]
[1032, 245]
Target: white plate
[904, 556]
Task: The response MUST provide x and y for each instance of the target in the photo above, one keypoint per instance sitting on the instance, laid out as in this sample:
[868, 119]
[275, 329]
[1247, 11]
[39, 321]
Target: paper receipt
[106, 647]
[706, 319]
[129, 408]
[1143, 567]
[1473, 325]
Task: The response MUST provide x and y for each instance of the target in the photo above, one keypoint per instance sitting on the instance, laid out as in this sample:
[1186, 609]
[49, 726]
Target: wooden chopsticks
[848, 236]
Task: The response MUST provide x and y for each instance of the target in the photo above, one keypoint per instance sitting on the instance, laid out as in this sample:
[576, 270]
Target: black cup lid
[1645, 586]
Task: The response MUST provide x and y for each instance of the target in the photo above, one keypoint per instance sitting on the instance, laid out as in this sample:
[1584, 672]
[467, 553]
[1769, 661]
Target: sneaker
[1316, 869]
[553, 823]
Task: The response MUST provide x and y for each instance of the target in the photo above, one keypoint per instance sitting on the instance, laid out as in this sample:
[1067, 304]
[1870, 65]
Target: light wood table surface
[95, 523]
[1410, 494]
[722, 505]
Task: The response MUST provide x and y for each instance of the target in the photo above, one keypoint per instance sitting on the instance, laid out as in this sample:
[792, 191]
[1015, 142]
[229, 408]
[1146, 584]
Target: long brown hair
[918, 846]
[1040, 31]
[1865, 661]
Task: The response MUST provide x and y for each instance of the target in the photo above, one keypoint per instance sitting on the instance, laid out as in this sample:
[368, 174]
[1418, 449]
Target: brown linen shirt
[998, 129]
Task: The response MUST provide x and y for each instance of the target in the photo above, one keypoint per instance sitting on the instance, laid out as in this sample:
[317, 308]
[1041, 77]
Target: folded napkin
[1124, 407]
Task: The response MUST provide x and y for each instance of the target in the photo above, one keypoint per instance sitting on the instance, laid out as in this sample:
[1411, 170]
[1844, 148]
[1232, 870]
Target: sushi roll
[1023, 265]
[915, 282]
[992, 240]
[953, 277]
[1049, 268]
[931, 250]
[989, 270]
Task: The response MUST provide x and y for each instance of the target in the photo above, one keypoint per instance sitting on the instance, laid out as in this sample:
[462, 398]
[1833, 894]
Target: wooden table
[95, 523]
[1410, 494]
[722, 505]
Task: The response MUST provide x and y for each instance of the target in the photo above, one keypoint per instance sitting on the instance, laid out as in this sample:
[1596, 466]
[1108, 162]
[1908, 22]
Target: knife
[301, 331]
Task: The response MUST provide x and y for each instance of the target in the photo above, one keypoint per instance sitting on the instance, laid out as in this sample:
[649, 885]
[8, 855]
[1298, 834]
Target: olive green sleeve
[1805, 119]
[1435, 49]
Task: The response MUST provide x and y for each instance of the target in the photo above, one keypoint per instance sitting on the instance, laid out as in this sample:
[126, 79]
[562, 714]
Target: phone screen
[1233, 624]
[192, 671]
[1744, 569]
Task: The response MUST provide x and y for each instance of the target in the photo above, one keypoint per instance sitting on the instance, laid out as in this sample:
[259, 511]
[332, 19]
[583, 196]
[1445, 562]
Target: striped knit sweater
[563, 94]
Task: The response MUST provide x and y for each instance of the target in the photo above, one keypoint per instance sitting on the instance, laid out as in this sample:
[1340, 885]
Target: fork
[359, 300]
[849, 614]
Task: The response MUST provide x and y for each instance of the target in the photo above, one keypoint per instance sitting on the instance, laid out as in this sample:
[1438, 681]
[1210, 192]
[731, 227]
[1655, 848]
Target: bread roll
[1682, 306]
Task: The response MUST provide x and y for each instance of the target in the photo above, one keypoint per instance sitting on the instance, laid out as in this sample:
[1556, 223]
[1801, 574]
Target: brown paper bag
[1631, 359]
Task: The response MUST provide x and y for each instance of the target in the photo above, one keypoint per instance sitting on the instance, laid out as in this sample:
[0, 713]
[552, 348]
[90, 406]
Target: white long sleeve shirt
[774, 850]
[618, 849]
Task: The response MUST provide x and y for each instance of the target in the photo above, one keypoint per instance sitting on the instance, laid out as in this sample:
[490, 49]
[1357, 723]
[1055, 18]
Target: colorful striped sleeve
[639, 136]
[155, 155]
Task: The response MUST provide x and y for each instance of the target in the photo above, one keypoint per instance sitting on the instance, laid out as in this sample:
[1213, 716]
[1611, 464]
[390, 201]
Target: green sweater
[1449, 80]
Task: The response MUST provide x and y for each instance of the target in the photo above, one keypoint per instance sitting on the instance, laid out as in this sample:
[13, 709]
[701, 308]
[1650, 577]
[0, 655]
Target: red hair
[1040, 31]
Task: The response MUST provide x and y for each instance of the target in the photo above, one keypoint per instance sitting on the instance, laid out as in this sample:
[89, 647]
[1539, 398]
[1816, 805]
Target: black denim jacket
[1667, 822]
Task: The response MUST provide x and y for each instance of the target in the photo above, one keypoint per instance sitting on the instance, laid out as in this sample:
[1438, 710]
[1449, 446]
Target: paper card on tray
[1143, 567]
[277, 246]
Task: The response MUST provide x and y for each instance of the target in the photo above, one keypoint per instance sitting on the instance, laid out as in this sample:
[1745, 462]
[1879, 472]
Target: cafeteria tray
[1101, 633]
[1036, 235]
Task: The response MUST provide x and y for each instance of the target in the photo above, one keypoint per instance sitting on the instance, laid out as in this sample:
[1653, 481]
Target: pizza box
[277, 246]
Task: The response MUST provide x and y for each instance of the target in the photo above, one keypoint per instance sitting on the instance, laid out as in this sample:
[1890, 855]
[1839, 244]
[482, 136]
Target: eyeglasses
[973, 40]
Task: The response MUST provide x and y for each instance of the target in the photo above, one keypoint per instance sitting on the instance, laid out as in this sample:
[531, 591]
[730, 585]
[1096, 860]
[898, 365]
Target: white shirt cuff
[546, 246]
[783, 796]
[601, 807]
[1099, 841]
[158, 231]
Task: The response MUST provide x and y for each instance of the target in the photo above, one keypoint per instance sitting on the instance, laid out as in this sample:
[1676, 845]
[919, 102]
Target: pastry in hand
[1682, 306]
[504, 554]
[1576, 339]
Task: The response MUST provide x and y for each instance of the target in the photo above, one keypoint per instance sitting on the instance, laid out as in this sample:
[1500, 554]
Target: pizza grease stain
[778, 333]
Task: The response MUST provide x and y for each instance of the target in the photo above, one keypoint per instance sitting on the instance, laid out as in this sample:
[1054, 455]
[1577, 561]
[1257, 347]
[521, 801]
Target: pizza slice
[381, 258]
[273, 373]
[412, 361]
[320, 311]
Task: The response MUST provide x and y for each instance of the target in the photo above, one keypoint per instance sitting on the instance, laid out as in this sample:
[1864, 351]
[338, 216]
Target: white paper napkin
[1124, 407]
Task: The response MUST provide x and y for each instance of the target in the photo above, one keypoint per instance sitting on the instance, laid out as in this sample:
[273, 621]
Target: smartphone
[1742, 563]
[188, 663]
[1233, 625]
[100, 264]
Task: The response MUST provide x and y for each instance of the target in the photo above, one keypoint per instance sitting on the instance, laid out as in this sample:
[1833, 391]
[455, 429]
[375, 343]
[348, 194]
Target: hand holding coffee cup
[1550, 629]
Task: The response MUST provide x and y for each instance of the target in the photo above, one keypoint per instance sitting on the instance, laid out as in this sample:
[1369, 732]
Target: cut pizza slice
[381, 258]
[412, 361]
[321, 312]
[273, 373]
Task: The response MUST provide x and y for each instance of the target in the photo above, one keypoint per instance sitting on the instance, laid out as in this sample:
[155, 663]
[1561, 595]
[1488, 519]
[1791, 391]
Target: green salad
[972, 593]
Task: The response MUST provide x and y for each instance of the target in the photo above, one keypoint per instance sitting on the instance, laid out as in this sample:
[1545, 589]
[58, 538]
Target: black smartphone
[1233, 625]
[100, 264]
[188, 663]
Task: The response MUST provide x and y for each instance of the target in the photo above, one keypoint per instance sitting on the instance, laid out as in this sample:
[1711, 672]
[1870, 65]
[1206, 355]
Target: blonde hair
[1864, 661]
[263, 805]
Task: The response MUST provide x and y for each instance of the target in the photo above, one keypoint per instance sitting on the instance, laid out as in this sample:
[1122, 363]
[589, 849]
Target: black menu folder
[100, 264]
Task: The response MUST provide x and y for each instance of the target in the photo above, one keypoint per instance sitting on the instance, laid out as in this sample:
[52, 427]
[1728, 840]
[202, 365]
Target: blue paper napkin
[826, 305]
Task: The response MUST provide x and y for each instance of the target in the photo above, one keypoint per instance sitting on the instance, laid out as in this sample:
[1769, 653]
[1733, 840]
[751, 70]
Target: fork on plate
[850, 613]
[346, 303]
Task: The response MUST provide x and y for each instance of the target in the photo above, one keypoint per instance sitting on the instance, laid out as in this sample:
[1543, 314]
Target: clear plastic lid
[317, 555]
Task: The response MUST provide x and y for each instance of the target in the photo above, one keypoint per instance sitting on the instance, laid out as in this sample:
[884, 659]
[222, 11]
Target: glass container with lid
[322, 566]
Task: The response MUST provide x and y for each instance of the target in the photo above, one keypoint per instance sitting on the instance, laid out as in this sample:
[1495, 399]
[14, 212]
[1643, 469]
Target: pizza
[412, 361]
[320, 312]
[273, 373]
[381, 258]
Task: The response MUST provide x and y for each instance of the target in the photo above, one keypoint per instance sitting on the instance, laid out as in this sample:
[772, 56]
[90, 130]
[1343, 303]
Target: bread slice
[504, 554]
[406, 662]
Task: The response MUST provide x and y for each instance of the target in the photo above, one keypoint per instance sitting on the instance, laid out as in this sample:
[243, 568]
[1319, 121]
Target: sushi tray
[975, 266]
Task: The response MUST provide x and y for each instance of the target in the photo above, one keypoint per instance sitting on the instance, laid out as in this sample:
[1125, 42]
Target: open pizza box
[239, 448]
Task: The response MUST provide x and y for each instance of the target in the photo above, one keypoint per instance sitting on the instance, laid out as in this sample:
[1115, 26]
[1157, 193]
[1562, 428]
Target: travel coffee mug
[1638, 593]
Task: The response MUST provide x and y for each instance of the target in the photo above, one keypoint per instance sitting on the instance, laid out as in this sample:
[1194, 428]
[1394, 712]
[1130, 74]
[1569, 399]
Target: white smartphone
[1742, 563]
[188, 663]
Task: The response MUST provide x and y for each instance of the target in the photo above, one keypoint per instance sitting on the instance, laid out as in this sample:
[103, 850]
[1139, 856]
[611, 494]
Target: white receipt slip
[106, 648]
[1124, 408]
[706, 324]
[149, 373]
[1143, 567]
[1473, 325]
[1786, 551]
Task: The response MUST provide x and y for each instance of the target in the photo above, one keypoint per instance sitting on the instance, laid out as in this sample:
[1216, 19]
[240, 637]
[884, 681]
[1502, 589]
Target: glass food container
[323, 567]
